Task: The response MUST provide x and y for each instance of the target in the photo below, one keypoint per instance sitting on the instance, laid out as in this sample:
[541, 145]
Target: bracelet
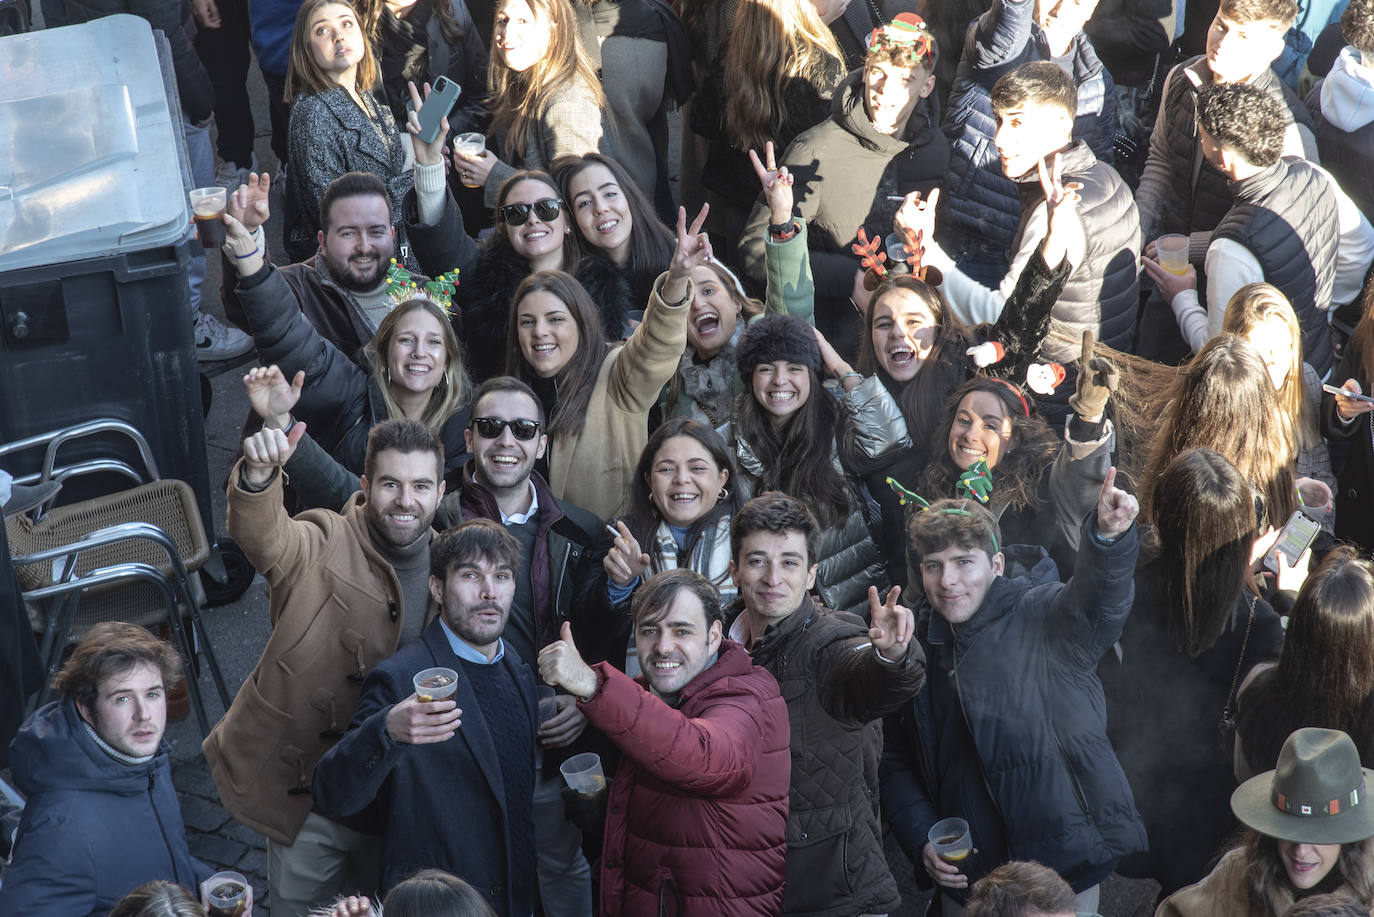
[249, 255]
[681, 302]
[849, 374]
[783, 232]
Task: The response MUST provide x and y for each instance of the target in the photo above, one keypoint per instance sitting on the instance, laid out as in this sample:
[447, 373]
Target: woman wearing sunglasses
[597, 396]
[533, 233]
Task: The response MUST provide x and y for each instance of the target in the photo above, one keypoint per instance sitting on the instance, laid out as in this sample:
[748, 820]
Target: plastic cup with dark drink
[583, 773]
[951, 840]
[548, 704]
[208, 206]
[226, 895]
[436, 684]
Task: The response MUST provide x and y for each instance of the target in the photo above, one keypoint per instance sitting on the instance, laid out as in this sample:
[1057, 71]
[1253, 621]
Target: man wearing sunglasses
[559, 578]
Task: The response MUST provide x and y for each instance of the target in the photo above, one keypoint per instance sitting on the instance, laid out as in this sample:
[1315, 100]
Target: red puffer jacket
[696, 819]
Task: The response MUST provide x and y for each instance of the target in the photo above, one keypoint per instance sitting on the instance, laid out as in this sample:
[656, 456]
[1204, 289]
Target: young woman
[533, 233]
[1310, 826]
[598, 396]
[1196, 629]
[1224, 399]
[337, 124]
[787, 432]
[615, 221]
[1349, 419]
[1262, 315]
[545, 101]
[1325, 676]
[681, 504]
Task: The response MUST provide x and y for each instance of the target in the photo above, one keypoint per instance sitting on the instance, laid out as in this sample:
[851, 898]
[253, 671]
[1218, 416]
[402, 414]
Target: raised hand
[426, 154]
[250, 203]
[266, 451]
[693, 248]
[271, 396]
[560, 664]
[417, 722]
[891, 625]
[1116, 509]
[777, 185]
[835, 365]
[1064, 237]
[1098, 379]
[916, 215]
[626, 560]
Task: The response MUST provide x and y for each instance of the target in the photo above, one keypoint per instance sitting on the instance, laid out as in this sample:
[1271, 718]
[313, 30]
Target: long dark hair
[433, 893]
[922, 399]
[1205, 528]
[643, 517]
[651, 243]
[1269, 890]
[500, 235]
[798, 457]
[1024, 462]
[575, 381]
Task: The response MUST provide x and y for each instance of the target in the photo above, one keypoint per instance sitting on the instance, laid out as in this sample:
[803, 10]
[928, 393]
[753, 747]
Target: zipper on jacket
[157, 816]
[973, 737]
[1078, 793]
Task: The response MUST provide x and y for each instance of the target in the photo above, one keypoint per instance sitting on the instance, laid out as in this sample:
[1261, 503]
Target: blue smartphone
[443, 95]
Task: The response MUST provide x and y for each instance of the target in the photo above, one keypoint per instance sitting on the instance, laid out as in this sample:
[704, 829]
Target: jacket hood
[848, 111]
[1347, 93]
[53, 751]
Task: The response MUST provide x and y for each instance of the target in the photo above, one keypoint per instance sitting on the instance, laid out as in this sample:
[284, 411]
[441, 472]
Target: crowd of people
[982, 441]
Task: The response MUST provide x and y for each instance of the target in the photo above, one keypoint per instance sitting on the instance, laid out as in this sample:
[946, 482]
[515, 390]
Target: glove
[1098, 379]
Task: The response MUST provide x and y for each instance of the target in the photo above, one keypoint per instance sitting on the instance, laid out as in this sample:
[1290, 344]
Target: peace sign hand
[891, 624]
[777, 185]
[693, 248]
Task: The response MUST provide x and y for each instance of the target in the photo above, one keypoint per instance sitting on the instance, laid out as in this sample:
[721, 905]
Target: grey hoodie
[1343, 107]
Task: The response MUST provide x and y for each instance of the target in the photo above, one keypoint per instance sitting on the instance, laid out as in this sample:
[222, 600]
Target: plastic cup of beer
[208, 206]
[548, 704]
[951, 840]
[435, 684]
[226, 895]
[471, 144]
[583, 773]
[1171, 252]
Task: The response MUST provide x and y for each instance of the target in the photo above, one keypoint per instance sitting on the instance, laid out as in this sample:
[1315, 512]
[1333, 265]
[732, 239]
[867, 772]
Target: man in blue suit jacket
[452, 779]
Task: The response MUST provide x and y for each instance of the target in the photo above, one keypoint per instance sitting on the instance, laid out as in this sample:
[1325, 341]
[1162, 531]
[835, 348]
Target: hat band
[1330, 807]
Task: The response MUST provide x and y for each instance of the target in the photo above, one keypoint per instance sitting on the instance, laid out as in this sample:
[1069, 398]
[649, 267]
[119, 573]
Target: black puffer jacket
[1354, 488]
[1048, 782]
[837, 693]
[486, 301]
[1286, 217]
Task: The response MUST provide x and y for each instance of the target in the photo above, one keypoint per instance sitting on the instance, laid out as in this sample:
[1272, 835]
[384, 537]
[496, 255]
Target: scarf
[710, 385]
[709, 556]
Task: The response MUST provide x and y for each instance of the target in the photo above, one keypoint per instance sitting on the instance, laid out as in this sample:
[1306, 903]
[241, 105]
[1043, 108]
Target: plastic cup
[951, 840]
[473, 144]
[583, 773]
[208, 206]
[1171, 252]
[436, 684]
[1313, 495]
[226, 895]
[548, 704]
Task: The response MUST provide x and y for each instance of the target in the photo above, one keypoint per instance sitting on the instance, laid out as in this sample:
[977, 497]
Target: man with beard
[453, 779]
[345, 590]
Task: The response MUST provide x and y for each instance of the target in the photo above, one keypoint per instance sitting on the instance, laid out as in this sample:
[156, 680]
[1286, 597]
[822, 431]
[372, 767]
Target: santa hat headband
[906, 29]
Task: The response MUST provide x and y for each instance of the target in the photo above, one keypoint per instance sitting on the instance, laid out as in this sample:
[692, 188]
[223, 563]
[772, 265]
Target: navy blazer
[444, 804]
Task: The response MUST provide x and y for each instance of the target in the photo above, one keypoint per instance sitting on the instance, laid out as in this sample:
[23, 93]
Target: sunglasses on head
[519, 214]
[491, 427]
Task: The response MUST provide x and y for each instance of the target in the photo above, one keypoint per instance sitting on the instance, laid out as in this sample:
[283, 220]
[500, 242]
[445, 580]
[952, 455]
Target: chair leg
[55, 641]
[188, 659]
[199, 628]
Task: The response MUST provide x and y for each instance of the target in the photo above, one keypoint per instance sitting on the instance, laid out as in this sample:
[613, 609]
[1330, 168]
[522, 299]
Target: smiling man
[345, 590]
[697, 810]
[102, 815]
[1009, 732]
[453, 779]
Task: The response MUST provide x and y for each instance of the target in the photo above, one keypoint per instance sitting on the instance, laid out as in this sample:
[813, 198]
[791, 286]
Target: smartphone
[1295, 538]
[1336, 390]
[443, 95]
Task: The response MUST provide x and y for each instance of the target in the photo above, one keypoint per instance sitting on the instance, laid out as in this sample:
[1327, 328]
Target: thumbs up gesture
[560, 664]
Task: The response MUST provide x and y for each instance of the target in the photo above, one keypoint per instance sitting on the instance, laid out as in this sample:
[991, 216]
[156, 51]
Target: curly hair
[1357, 26]
[1244, 119]
[109, 649]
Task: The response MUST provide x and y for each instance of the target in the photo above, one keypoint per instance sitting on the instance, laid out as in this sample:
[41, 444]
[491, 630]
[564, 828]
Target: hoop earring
[724, 494]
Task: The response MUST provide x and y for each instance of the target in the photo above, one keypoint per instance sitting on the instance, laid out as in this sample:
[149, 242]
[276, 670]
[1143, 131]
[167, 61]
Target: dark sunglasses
[491, 427]
[519, 214]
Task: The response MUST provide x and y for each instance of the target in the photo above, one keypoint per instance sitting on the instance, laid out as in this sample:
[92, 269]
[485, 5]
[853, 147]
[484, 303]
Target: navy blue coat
[443, 805]
[978, 201]
[93, 829]
[1025, 679]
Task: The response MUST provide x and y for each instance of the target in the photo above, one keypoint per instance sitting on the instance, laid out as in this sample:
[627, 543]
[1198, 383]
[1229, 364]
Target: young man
[1283, 227]
[980, 209]
[852, 170]
[697, 810]
[453, 779]
[1343, 107]
[102, 815]
[839, 678]
[1035, 107]
[1021, 889]
[1009, 732]
[345, 590]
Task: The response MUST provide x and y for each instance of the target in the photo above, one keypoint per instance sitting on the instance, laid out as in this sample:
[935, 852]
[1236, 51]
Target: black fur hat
[770, 338]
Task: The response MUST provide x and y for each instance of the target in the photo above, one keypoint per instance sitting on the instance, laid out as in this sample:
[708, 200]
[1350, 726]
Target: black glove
[1098, 379]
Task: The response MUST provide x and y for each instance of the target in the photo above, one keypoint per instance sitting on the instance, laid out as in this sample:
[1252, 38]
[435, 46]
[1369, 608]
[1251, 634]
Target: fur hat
[771, 338]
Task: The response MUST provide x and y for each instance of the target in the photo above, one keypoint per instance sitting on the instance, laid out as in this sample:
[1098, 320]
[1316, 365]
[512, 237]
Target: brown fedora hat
[1316, 795]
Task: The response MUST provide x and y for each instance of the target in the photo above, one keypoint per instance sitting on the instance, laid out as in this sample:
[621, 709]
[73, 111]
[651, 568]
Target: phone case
[442, 97]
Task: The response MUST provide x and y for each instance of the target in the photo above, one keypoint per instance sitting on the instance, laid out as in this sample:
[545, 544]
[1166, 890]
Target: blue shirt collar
[463, 651]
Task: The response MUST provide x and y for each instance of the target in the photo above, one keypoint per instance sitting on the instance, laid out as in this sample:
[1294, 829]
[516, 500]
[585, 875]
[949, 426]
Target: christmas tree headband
[401, 287]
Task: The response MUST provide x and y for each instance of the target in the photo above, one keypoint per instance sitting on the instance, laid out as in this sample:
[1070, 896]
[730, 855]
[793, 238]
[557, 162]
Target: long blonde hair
[1251, 306]
[519, 99]
[772, 43]
[454, 389]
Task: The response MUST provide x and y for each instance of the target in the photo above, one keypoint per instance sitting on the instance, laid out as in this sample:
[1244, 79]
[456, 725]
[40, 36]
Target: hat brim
[1252, 804]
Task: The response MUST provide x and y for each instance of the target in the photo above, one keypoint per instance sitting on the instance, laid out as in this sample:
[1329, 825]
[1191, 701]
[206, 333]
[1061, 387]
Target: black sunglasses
[491, 427]
[519, 214]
